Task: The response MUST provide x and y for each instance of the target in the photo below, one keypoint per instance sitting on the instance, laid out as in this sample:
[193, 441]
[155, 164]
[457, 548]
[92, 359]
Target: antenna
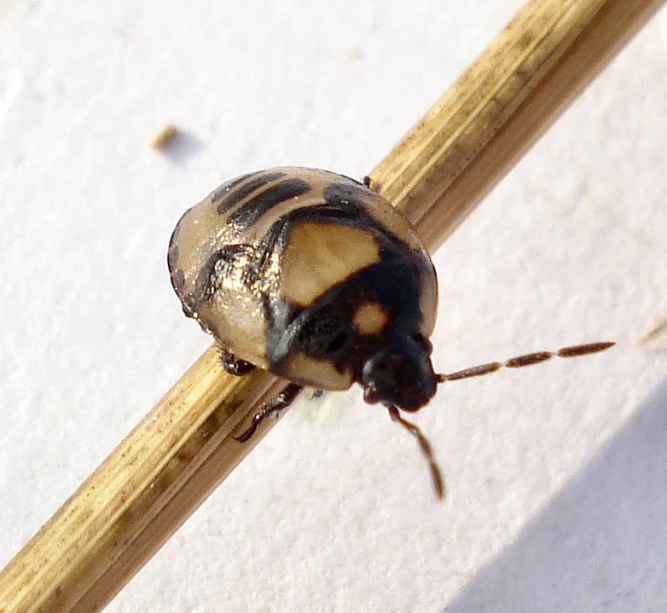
[476, 371]
[526, 360]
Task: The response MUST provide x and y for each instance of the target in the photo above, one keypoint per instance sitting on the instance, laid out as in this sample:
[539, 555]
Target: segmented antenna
[475, 371]
[426, 449]
[526, 360]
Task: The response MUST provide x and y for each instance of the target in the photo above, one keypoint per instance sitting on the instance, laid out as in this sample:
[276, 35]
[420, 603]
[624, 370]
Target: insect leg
[233, 365]
[282, 401]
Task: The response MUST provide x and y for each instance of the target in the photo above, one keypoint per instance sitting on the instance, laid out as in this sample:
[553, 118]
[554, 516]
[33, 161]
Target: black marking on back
[336, 194]
[324, 330]
[228, 186]
[276, 312]
[233, 197]
[177, 229]
[189, 303]
[178, 281]
[213, 271]
[172, 251]
[327, 333]
[248, 213]
[351, 212]
[177, 276]
[172, 256]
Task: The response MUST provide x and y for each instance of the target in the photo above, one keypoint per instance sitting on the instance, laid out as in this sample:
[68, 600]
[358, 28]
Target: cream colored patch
[370, 318]
[315, 373]
[321, 255]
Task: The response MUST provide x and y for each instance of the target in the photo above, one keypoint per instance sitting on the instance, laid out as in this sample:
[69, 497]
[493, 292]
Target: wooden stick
[184, 448]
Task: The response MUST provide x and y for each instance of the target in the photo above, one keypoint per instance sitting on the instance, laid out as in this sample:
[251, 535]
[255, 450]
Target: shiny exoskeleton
[314, 277]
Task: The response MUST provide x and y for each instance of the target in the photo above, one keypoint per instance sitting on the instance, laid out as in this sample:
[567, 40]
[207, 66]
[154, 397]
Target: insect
[314, 277]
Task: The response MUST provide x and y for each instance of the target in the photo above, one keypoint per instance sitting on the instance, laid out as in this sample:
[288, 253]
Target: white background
[556, 476]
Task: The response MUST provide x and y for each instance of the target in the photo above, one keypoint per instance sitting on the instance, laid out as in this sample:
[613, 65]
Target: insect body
[316, 278]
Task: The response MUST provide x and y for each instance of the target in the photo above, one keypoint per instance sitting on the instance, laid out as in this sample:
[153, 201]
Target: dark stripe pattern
[213, 270]
[228, 186]
[323, 330]
[343, 193]
[247, 214]
[231, 197]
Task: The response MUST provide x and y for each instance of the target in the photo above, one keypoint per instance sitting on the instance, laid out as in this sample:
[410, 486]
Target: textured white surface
[556, 475]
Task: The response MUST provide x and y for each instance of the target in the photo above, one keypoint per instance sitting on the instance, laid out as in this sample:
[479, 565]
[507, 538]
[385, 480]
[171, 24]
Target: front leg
[282, 401]
[232, 364]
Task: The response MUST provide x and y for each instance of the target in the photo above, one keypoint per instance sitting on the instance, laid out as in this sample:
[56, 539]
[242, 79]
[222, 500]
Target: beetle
[316, 278]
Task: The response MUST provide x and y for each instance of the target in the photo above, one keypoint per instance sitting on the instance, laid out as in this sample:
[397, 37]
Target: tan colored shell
[230, 298]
